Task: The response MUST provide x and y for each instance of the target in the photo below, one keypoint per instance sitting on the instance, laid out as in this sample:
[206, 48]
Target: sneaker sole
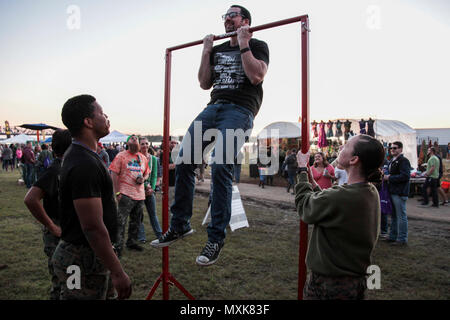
[166, 244]
[203, 264]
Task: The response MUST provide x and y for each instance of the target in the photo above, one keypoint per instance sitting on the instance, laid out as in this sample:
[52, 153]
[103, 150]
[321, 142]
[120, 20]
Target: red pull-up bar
[166, 278]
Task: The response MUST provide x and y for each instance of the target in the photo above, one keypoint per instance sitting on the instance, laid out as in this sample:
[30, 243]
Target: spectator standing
[46, 188]
[398, 185]
[103, 154]
[129, 170]
[7, 158]
[441, 174]
[346, 222]
[28, 160]
[88, 209]
[150, 186]
[432, 179]
[112, 152]
[322, 171]
[291, 168]
[44, 160]
[340, 175]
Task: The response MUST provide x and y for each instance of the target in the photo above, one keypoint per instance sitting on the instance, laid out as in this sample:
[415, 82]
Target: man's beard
[133, 148]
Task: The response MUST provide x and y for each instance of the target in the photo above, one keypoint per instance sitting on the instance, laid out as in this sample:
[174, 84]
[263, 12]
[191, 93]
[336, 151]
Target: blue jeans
[237, 172]
[220, 117]
[399, 222]
[150, 204]
[29, 174]
[384, 224]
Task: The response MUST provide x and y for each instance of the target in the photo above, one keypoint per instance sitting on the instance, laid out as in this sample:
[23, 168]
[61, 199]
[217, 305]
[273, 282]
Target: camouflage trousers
[318, 287]
[134, 209]
[50, 243]
[95, 282]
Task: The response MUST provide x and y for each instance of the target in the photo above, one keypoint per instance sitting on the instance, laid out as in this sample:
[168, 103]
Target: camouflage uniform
[134, 209]
[318, 287]
[94, 277]
[50, 243]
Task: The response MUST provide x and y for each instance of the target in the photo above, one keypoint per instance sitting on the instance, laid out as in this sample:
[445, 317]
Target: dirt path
[278, 197]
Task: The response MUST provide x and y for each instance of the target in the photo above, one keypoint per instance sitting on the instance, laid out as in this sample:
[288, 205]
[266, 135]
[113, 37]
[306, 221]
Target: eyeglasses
[231, 15]
[393, 148]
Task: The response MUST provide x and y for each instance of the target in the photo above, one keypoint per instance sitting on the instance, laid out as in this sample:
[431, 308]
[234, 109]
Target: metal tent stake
[165, 277]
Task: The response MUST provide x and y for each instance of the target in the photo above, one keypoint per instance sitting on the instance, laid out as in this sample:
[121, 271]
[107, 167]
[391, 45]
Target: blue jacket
[399, 175]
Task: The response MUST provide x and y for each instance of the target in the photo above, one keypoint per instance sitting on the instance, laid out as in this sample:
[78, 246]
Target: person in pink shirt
[129, 170]
[322, 171]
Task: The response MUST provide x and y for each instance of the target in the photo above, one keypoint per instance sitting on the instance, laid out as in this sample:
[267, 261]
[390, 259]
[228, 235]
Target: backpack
[385, 199]
[47, 162]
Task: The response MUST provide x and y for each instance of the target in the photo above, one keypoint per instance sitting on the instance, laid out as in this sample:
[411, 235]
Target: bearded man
[129, 170]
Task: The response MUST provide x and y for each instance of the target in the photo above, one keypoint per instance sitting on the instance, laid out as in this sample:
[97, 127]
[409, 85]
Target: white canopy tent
[114, 137]
[280, 130]
[385, 131]
[390, 131]
[21, 138]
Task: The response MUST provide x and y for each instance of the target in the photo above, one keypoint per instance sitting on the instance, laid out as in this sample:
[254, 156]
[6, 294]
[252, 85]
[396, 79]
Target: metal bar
[166, 277]
[166, 155]
[181, 288]
[155, 286]
[303, 245]
[232, 34]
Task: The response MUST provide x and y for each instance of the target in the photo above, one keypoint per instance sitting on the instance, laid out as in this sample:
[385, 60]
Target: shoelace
[209, 249]
[168, 234]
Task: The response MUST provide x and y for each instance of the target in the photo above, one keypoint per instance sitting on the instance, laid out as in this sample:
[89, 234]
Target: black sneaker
[170, 237]
[209, 254]
[399, 244]
[135, 246]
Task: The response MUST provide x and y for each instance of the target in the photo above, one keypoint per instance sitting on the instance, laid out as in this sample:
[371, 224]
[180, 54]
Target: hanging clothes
[370, 130]
[322, 136]
[362, 126]
[347, 126]
[338, 128]
[314, 129]
[330, 130]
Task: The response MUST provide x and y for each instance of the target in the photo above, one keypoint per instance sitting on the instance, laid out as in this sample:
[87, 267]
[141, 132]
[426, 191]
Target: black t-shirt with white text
[228, 76]
[84, 175]
[49, 183]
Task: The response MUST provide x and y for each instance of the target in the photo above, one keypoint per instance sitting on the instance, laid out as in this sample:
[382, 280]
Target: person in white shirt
[341, 175]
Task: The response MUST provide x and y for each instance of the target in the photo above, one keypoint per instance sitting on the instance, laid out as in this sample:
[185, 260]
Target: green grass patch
[260, 262]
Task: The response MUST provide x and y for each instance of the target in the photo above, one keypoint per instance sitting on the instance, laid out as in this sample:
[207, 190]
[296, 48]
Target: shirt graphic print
[229, 71]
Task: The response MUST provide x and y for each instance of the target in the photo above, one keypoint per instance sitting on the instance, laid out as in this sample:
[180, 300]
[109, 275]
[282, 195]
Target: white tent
[114, 137]
[385, 130]
[280, 130]
[21, 138]
[390, 131]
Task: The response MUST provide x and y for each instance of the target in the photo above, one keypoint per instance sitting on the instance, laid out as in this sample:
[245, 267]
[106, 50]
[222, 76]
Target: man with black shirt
[47, 188]
[235, 69]
[88, 209]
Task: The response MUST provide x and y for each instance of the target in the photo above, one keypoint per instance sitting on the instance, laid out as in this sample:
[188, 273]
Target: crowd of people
[89, 192]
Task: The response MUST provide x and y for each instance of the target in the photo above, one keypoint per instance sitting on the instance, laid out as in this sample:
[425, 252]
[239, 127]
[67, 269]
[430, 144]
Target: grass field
[259, 262]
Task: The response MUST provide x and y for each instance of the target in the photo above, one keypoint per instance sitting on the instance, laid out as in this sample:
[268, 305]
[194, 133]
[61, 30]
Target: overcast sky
[386, 59]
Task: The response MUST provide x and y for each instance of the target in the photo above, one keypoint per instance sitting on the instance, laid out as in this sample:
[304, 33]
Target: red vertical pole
[166, 155]
[305, 147]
